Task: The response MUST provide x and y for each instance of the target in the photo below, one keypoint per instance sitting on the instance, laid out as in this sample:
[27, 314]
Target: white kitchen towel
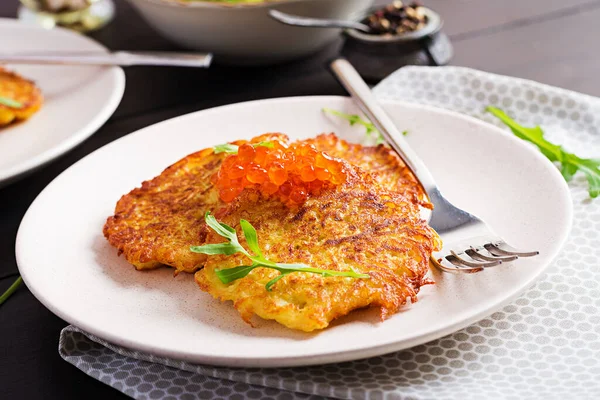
[545, 345]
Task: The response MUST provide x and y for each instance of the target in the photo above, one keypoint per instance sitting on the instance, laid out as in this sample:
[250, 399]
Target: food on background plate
[63, 6]
[231, 1]
[19, 97]
[302, 233]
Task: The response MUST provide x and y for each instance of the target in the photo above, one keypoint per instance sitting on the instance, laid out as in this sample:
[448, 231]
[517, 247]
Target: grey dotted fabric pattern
[546, 345]
[148, 378]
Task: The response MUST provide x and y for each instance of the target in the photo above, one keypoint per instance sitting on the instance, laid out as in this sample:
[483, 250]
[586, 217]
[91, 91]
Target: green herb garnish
[233, 149]
[233, 246]
[5, 101]
[356, 119]
[11, 290]
[569, 162]
[226, 148]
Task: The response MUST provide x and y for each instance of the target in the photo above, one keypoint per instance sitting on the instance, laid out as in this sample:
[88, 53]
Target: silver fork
[470, 245]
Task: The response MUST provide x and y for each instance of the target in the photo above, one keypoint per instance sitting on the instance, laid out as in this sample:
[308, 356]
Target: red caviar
[291, 173]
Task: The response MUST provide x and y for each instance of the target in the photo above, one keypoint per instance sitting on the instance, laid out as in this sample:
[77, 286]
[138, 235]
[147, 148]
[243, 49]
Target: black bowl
[377, 56]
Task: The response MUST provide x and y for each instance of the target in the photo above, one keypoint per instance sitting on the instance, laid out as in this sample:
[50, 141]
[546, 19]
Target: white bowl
[245, 34]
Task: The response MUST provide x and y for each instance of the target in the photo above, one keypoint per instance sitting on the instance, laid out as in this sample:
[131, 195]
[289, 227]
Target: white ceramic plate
[70, 268]
[77, 99]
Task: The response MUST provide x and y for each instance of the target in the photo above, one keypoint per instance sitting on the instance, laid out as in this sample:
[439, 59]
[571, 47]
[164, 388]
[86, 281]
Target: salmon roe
[291, 173]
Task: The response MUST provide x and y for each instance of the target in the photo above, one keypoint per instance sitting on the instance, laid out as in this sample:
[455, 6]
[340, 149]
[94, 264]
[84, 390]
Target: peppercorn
[397, 18]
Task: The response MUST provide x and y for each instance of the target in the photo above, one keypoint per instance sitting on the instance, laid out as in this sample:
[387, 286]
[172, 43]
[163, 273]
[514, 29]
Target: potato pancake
[155, 224]
[382, 162]
[360, 225]
[21, 90]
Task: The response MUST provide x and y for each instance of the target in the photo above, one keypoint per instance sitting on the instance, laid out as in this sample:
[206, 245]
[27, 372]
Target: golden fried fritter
[17, 88]
[359, 224]
[155, 224]
[382, 162]
[370, 223]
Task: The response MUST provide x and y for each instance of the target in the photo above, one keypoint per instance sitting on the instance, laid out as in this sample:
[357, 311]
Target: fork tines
[475, 259]
[475, 245]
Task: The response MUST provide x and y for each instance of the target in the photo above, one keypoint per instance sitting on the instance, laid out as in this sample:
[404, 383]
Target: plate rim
[18, 170]
[327, 357]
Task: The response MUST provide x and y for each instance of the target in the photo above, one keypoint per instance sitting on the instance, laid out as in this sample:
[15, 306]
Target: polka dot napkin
[546, 345]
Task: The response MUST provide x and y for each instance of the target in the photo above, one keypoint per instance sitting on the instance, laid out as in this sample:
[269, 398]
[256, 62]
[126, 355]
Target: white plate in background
[77, 99]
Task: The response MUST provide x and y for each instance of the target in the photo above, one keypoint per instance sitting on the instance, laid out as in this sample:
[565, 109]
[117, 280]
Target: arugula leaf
[232, 246]
[218, 248]
[251, 237]
[233, 148]
[570, 164]
[534, 135]
[231, 274]
[11, 290]
[568, 171]
[226, 148]
[273, 281]
[5, 101]
[591, 168]
[222, 229]
[268, 144]
[355, 119]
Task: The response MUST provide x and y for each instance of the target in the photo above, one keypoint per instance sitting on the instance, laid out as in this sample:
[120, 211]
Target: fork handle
[361, 93]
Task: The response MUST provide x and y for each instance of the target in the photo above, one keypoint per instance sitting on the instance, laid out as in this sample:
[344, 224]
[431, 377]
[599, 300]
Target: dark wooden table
[546, 40]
